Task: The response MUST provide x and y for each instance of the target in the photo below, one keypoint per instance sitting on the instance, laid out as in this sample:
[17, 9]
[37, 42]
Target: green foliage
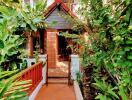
[74, 39]
[85, 59]
[79, 77]
[9, 43]
[11, 89]
[5, 74]
[15, 18]
[36, 56]
[32, 18]
[106, 90]
[111, 43]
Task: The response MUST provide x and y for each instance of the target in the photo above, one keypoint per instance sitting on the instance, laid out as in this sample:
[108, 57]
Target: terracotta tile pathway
[56, 92]
[58, 88]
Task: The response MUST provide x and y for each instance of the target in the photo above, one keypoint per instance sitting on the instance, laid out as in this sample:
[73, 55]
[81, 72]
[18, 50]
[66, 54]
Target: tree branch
[119, 5]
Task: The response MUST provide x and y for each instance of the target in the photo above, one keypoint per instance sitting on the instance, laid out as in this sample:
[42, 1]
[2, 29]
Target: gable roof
[62, 5]
[59, 3]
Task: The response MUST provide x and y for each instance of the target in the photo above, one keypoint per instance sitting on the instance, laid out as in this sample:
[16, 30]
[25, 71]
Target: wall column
[52, 47]
[30, 45]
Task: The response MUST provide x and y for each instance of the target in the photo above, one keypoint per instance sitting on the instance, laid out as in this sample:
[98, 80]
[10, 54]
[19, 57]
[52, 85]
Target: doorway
[63, 49]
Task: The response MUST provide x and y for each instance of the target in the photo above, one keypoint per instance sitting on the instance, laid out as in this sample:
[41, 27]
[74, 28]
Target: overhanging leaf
[1, 44]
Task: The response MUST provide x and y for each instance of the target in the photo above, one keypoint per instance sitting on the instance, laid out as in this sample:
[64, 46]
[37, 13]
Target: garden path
[57, 88]
[56, 92]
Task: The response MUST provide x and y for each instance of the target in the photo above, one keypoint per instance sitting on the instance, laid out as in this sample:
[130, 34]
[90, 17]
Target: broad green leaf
[129, 41]
[101, 97]
[33, 27]
[130, 57]
[7, 86]
[111, 92]
[122, 93]
[128, 13]
[23, 25]
[36, 20]
[128, 2]
[1, 44]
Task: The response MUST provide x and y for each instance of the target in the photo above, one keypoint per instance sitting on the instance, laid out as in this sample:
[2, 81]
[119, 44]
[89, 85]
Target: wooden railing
[33, 73]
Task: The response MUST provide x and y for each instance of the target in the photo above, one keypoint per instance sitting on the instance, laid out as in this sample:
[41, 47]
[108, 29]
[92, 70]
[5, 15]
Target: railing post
[69, 70]
[41, 71]
[33, 73]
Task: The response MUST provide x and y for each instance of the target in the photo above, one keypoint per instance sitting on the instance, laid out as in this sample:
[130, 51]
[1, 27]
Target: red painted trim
[58, 0]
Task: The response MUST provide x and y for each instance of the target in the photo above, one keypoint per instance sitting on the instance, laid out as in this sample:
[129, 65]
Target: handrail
[33, 73]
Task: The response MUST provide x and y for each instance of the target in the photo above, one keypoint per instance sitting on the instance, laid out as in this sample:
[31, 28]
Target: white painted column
[43, 58]
[75, 66]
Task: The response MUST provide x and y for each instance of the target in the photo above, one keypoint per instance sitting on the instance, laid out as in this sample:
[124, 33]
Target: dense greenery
[12, 89]
[110, 28]
[14, 19]
[107, 58]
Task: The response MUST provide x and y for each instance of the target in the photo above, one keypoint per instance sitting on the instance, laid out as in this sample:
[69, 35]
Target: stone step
[57, 80]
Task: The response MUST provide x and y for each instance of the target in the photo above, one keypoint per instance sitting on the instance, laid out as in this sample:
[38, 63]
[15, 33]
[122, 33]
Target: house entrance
[63, 49]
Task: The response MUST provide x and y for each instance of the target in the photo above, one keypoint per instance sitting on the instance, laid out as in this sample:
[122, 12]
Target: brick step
[61, 75]
[57, 80]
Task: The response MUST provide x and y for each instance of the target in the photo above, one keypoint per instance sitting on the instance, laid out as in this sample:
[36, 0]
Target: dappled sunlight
[61, 69]
[63, 66]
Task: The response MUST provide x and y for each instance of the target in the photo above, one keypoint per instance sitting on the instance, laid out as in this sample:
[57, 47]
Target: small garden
[15, 20]
[106, 58]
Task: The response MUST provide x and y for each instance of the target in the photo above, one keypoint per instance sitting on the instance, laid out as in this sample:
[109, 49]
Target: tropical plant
[73, 41]
[9, 43]
[79, 77]
[111, 42]
[14, 19]
[11, 88]
[31, 18]
[106, 91]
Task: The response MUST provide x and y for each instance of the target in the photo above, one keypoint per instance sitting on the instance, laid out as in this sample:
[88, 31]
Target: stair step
[57, 80]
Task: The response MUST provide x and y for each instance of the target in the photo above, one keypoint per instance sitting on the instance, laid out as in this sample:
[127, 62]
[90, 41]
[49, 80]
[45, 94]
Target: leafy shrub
[111, 42]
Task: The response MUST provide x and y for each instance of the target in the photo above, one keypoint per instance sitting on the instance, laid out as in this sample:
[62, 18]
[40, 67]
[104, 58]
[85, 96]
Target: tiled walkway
[56, 92]
[58, 88]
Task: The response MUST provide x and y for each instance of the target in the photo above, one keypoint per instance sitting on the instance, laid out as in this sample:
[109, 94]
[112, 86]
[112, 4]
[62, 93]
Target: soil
[88, 90]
